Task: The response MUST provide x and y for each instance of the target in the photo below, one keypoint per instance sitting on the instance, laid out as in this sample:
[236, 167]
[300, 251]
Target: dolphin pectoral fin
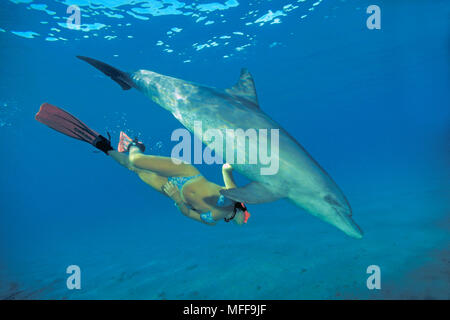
[122, 78]
[245, 88]
[253, 193]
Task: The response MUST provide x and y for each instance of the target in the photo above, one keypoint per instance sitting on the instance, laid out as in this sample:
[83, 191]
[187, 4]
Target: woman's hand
[227, 174]
[172, 191]
[227, 167]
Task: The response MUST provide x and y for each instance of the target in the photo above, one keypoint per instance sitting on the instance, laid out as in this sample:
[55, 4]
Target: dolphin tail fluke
[253, 193]
[122, 78]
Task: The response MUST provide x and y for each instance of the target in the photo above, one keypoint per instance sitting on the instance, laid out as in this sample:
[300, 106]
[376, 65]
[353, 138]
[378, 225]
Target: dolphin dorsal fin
[245, 88]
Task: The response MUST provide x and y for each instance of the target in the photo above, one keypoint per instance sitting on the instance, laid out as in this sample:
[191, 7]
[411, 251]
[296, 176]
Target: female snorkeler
[196, 197]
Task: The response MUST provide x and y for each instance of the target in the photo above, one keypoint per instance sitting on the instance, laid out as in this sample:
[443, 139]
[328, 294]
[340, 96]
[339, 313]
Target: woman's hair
[240, 206]
[237, 206]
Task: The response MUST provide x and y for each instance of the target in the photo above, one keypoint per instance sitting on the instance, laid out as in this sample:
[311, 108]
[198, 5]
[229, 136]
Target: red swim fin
[64, 122]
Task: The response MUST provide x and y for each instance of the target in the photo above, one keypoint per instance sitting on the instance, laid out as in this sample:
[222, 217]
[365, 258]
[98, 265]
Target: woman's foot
[125, 142]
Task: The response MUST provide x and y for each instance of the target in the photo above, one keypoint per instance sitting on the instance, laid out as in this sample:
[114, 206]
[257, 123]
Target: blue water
[371, 106]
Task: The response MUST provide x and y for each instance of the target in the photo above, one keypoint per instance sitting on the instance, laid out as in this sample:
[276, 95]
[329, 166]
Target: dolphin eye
[328, 198]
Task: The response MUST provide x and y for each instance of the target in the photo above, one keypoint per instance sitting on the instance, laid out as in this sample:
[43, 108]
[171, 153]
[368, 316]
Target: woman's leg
[151, 178]
[162, 166]
[121, 158]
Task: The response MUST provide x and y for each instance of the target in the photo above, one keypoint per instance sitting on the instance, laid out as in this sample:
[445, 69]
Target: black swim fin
[122, 78]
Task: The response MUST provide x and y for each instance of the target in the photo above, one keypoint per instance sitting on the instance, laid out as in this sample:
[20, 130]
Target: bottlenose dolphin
[299, 178]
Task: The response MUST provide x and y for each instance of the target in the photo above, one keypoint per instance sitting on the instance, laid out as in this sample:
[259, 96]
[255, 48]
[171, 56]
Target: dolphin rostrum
[299, 177]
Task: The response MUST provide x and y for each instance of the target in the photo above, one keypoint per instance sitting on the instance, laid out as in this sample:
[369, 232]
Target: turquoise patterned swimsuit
[180, 181]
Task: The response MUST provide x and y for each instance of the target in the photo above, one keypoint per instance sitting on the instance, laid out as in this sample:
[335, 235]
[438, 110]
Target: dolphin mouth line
[340, 214]
[350, 224]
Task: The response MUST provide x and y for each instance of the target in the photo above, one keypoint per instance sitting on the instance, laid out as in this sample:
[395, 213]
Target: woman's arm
[227, 173]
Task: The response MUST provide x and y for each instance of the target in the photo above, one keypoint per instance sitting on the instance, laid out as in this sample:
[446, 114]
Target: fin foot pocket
[102, 144]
